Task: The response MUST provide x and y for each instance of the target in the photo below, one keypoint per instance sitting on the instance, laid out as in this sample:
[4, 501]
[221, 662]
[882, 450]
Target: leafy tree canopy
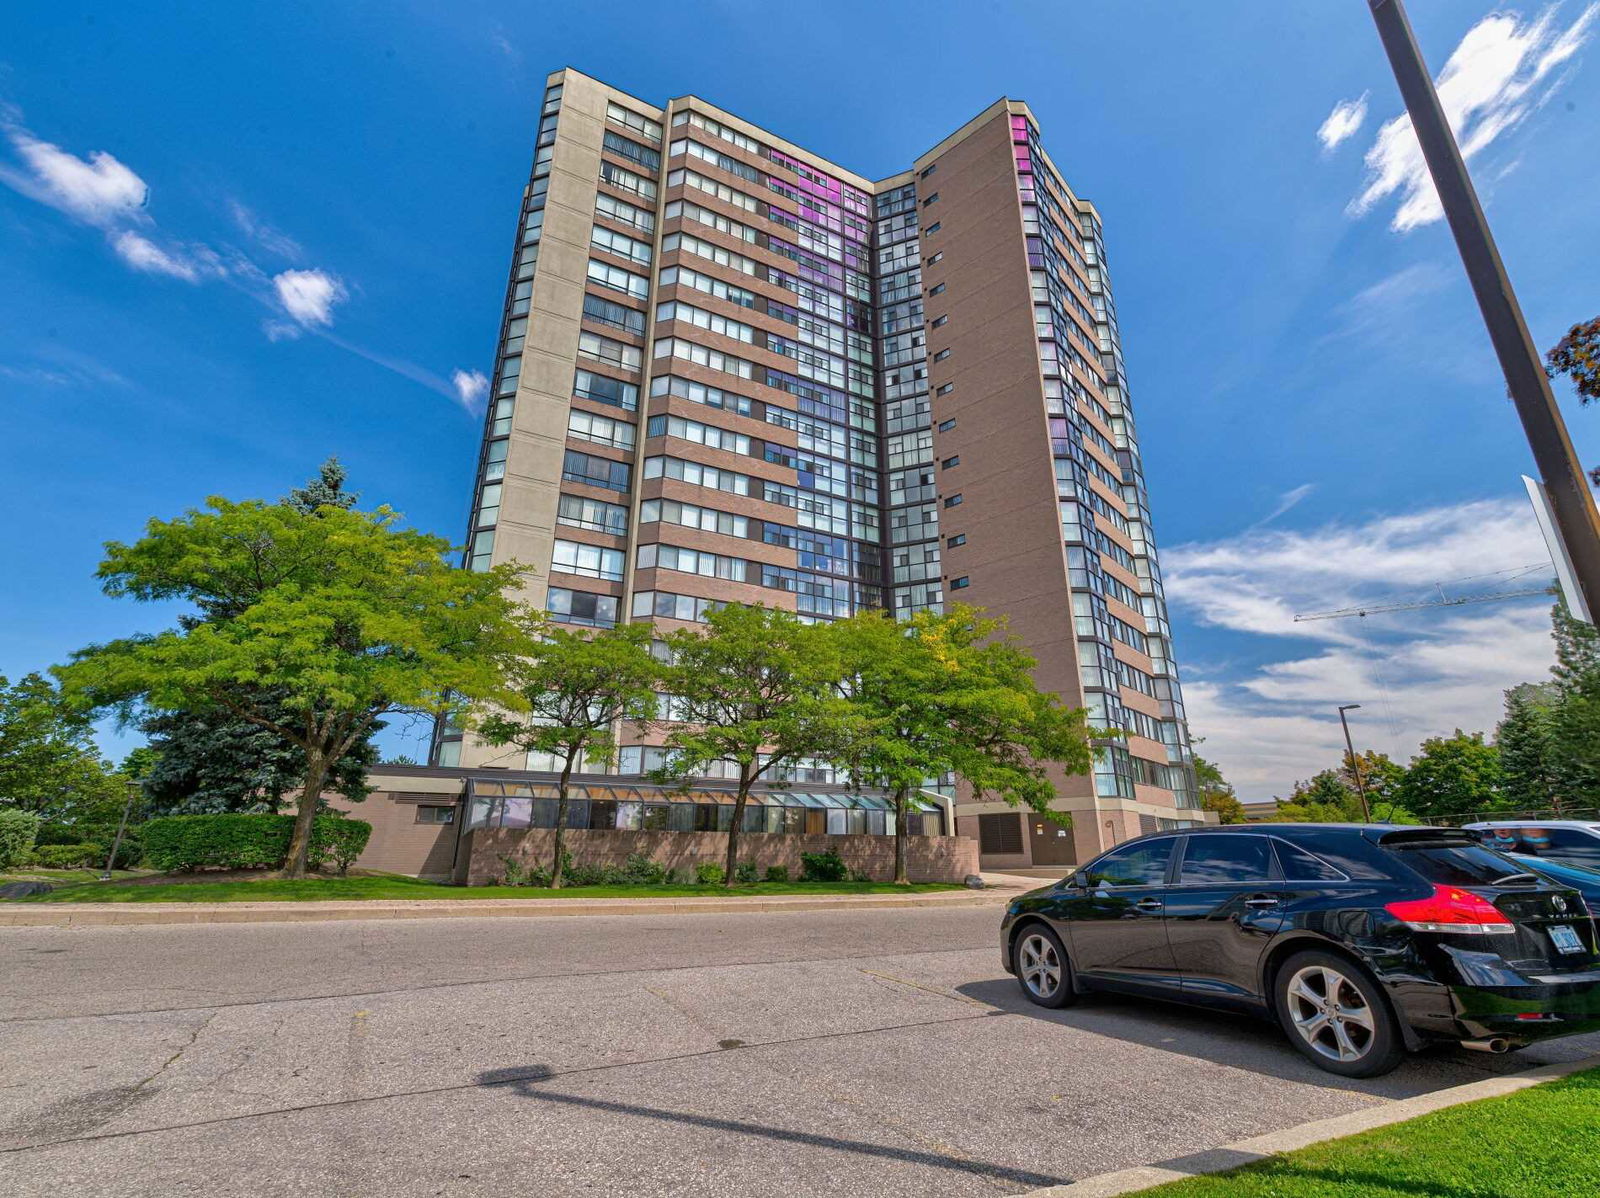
[758, 688]
[313, 627]
[1453, 775]
[49, 764]
[567, 697]
[950, 693]
[1577, 355]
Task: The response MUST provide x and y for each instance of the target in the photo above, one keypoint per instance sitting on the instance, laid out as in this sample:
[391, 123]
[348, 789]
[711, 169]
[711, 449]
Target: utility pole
[1571, 502]
[1355, 766]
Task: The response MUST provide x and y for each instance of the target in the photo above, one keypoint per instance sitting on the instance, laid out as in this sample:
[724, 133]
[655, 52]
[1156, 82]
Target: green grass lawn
[61, 877]
[1537, 1143]
[397, 886]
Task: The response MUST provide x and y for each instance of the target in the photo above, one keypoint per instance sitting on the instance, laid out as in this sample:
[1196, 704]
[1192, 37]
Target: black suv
[1362, 941]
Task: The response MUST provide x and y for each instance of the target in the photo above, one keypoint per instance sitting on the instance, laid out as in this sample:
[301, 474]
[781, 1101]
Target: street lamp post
[1355, 766]
[1571, 503]
[122, 827]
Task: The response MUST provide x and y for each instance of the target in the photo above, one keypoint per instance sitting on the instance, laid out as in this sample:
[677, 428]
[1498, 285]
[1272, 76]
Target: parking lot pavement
[874, 1052]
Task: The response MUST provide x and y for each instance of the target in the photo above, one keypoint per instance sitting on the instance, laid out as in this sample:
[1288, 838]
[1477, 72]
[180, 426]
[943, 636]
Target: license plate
[1566, 940]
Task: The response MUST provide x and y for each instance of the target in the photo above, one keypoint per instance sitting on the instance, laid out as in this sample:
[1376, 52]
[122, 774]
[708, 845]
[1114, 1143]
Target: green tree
[1380, 776]
[757, 688]
[49, 764]
[567, 698]
[312, 628]
[950, 693]
[209, 760]
[1575, 718]
[1525, 738]
[1577, 355]
[1326, 799]
[1456, 775]
[1215, 793]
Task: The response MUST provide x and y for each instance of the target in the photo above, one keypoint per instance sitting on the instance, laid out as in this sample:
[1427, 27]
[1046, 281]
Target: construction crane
[1442, 601]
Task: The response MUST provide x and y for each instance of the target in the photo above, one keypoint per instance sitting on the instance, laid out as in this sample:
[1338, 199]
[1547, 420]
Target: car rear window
[1457, 864]
[1301, 866]
[1345, 851]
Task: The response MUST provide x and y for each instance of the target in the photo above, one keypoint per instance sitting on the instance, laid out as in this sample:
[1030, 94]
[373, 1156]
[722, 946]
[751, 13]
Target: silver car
[1576, 842]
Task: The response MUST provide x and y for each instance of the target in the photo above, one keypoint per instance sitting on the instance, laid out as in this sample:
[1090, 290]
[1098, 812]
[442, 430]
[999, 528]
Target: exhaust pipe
[1495, 1044]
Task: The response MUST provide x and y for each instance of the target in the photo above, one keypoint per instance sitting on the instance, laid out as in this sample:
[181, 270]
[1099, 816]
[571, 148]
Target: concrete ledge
[102, 914]
[1231, 1156]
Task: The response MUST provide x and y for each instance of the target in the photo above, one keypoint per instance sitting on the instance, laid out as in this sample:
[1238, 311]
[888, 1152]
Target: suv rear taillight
[1449, 909]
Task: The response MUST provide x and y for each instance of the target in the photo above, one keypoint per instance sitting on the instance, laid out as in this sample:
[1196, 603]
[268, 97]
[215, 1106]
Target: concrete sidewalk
[999, 888]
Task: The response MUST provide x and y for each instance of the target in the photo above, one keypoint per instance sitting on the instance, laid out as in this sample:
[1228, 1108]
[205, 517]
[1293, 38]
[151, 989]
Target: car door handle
[1262, 900]
[1148, 904]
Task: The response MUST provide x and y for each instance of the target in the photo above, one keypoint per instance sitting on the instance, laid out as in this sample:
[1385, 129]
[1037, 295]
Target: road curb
[1243, 1152]
[107, 914]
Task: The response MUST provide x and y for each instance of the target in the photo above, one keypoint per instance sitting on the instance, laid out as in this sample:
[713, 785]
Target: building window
[592, 561]
[939, 290]
[939, 321]
[933, 199]
[945, 389]
[946, 425]
[953, 500]
[959, 539]
[939, 257]
[951, 461]
[932, 229]
[926, 171]
[960, 584]
[941, 355]
[429, 814]
[596, 472]
[600, 388]
[581, 607]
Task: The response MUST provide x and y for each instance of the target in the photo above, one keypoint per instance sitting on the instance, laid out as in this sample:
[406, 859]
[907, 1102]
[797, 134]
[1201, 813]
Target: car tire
[1336, 1015]
[1043, 971]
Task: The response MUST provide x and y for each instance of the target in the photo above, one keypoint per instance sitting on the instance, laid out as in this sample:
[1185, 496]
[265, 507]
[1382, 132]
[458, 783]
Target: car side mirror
[1078, 881]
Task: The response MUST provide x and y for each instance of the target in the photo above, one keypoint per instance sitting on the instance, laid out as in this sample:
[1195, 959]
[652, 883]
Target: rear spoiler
[1403, 837]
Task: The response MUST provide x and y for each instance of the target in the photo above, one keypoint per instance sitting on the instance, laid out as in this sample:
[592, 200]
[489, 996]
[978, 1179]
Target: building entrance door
[1051, 843]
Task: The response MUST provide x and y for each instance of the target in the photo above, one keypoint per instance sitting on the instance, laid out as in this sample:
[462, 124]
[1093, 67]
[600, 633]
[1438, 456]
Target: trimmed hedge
[17, 830]
[69, 856]
[129, 853]
[180, 843]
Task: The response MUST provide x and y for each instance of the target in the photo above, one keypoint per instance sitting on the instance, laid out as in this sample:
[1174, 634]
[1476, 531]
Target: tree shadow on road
[529, 1082]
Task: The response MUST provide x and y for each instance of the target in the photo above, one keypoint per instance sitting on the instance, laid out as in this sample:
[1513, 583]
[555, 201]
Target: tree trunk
[733, 832]
[561, 825]
[902, 800]
[310, 796]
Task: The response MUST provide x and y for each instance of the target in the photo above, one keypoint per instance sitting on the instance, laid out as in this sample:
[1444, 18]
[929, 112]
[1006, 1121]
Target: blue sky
[235, 239]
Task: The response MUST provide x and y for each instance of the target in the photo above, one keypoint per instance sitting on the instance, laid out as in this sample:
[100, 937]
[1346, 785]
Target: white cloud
[309, 295]
[1417, 673]
[139, 252]
[1502, 71]
[1343, 122]
[1290, 498]
[98, 190]
[1256, 581]
[273, 240]
[472, 386]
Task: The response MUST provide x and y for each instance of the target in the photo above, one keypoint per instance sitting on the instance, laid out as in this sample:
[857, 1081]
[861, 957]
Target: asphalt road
[873, 1052]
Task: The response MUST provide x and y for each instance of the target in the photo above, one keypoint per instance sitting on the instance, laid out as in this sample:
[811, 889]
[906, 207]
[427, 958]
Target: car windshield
[1463, 864]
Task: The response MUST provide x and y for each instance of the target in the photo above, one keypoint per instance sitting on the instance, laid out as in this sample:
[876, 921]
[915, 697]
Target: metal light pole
[1571, 501]
[116, 845]
[1355, 766]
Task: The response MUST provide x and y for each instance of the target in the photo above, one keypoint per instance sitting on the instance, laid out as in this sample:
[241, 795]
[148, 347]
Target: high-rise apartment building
[732, 370]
